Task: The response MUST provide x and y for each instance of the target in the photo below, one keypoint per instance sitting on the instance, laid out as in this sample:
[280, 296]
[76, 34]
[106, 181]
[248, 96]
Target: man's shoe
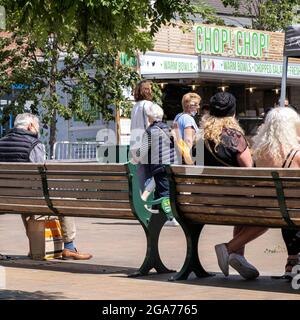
[223, 256]
[4, 257]
[243, 267]
[75, 255]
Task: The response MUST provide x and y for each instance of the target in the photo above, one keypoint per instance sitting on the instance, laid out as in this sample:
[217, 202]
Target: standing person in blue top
[187, 126]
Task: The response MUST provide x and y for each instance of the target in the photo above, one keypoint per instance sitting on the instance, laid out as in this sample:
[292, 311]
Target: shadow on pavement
[63, 266]
[263, 283]
[24, 295]
[118, 223]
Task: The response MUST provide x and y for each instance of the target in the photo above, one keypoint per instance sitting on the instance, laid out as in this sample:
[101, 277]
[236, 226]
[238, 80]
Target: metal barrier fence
[67, 150]
[90, 151]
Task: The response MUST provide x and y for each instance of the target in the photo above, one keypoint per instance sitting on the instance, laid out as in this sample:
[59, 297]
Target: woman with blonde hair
[185, 122]
[277, 145]
[225, 145]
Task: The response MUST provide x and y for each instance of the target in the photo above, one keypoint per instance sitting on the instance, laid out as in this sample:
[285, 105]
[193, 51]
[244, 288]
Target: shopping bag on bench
[45, 238]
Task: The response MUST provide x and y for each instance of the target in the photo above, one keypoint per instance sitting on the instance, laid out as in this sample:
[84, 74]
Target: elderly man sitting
[21, 144]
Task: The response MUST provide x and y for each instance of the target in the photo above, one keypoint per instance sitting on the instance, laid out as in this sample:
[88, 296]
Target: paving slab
[118, 247]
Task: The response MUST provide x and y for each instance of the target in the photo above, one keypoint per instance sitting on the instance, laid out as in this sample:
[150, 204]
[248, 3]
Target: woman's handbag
[184, 151]
[181, 146]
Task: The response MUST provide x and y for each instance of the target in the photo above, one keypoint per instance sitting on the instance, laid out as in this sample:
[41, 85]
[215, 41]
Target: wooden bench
[230, 196]
[82, 190]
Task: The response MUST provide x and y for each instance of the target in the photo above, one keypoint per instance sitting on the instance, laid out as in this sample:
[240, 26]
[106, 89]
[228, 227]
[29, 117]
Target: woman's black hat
[222, 104]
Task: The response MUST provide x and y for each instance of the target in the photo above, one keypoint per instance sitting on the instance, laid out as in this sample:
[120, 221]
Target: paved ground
[118, 247]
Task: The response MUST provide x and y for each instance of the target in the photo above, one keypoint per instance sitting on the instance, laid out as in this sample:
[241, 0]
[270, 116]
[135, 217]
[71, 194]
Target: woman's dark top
[232, 143]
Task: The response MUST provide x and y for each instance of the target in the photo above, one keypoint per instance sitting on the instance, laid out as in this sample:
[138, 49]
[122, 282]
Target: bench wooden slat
[73, 184]
[291, 203]
[20, 175]
[84, 176]
[67, 202]
[232, 220]
[20, 166]
[15, 208]
[291, 193]
[237, 211]
[81, 194]
[22, 200]
[220, 190]
[75, 193]
[233, 171]
[64, 210]
[20, 183]
[125, 216]
[231, 200]
[100, 212]
[92, 204]
[236, 182]
[226, 182]
[88, 167]
[91, 176]
[107, 195]
[22, 192]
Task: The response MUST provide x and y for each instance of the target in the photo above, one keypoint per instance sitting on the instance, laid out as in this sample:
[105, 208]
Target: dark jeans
[162, 188]
[292, 241]
[143, 172]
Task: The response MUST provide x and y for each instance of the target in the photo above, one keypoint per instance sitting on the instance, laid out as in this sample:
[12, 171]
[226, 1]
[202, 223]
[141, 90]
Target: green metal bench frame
[151, 221]
[192, 234]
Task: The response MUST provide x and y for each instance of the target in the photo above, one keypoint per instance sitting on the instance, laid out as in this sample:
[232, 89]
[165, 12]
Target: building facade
[206, 59]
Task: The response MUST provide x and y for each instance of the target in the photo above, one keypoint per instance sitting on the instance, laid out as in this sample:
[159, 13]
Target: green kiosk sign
[231, 42]
[127, 60]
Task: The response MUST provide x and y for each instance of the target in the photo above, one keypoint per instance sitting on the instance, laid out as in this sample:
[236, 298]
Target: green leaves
[206, 12]
[267, 15]
[88, 35]
[96, 21]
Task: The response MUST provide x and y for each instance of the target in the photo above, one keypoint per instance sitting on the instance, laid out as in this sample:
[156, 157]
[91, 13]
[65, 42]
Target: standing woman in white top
[139, 123]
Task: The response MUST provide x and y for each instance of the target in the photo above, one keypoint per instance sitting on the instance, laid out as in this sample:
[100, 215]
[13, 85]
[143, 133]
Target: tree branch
[65, 71]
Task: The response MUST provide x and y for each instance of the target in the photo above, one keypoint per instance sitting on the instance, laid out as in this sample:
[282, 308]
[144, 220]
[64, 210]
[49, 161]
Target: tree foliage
[270, 15]
[71, 48]
[203, 10]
